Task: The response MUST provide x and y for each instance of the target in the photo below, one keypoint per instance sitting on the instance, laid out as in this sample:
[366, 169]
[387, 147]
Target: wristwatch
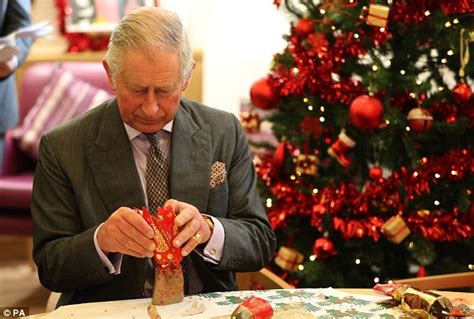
[209, 223]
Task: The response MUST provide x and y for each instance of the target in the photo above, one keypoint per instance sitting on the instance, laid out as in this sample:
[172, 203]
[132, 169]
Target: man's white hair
[146, 29]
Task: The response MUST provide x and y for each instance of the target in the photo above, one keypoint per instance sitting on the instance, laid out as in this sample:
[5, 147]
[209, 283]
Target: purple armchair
[16, 179]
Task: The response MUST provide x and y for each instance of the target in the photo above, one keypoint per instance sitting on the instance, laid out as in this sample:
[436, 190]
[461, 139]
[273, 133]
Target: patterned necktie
[157, 191]
[156, 175]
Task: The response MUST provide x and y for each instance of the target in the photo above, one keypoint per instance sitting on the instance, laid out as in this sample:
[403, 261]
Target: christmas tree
[371, 103]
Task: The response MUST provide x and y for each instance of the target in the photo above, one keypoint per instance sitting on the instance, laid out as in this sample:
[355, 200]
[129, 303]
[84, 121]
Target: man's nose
[150, 105]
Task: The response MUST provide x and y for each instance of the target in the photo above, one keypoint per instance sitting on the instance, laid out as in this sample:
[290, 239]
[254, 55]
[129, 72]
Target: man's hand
[8, 66]
[193, 228]
[128, 233]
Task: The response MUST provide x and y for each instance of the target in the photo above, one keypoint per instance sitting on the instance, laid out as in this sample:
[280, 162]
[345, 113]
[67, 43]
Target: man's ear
[109, 74]
[186, 82]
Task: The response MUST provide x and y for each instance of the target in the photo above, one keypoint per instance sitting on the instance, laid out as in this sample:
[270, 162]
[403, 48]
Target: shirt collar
[132, 133]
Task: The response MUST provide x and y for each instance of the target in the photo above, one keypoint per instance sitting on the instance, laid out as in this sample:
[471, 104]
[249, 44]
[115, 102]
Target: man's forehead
[135, 80]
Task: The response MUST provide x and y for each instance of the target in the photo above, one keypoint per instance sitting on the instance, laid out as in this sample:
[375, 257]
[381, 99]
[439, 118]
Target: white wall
[238, 39]
[242, 38]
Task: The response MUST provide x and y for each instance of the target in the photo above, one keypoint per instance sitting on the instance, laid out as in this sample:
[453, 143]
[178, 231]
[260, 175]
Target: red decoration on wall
[78, 41]
[81, 41]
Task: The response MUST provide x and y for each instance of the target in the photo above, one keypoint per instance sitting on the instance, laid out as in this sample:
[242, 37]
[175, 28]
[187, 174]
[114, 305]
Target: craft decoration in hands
[165, 230]
[169, 282]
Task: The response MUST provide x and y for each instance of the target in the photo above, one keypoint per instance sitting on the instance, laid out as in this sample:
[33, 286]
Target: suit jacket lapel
[112, 163]
[190, 160]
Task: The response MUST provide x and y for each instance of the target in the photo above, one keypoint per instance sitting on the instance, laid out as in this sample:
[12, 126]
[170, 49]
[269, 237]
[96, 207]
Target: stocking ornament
[340, 147]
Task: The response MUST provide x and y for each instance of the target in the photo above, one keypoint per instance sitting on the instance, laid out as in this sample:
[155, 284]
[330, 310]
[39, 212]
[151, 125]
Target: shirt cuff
[214, 248]
[113, 262]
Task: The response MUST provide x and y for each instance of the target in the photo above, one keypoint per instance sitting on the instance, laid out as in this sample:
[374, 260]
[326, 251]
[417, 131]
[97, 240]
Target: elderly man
[146, 147]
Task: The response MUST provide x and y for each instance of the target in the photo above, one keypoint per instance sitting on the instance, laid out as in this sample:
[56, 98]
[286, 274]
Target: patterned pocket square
[218, 174]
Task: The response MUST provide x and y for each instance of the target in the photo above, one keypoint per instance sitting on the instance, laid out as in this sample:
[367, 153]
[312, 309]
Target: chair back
[37, 75]
[262, 279]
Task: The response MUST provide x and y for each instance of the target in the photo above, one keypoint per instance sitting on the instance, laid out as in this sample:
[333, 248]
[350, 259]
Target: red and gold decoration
[288, 258]
[323, 248]
[253, 308]
[395, 229]
[366, 112]
[250, 121]
[378, 15]
[340, 147]
[423, 304]
[307, 164]
[169, 283]
[262, 95]
[419, 120]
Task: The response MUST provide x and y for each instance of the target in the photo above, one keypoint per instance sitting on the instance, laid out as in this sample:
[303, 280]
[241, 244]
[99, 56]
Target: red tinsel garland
[314, 54]
[362, 213]
[410, 14]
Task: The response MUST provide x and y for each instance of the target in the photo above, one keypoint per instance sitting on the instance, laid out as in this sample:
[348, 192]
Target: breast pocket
[218, 200]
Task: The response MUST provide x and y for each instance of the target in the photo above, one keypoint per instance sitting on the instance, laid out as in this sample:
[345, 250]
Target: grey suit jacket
[86, 171]
[13, 15]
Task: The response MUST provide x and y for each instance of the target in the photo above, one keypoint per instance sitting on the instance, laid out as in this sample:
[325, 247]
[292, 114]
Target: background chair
[262, 279]
[16, 179]
[459, 280]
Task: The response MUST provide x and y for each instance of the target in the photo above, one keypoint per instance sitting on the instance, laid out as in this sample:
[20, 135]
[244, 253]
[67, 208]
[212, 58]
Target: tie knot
[152, 138]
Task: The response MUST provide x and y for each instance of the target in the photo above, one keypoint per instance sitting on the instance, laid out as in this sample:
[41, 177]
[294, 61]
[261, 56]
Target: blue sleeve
[18, 15]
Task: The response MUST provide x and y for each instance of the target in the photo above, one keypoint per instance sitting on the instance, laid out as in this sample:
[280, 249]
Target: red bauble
[419, 120]
[323, 248]
[376, 173]
[462, 92]
[279, 158]
[366, 112]
[304, 27]
[262, 95]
